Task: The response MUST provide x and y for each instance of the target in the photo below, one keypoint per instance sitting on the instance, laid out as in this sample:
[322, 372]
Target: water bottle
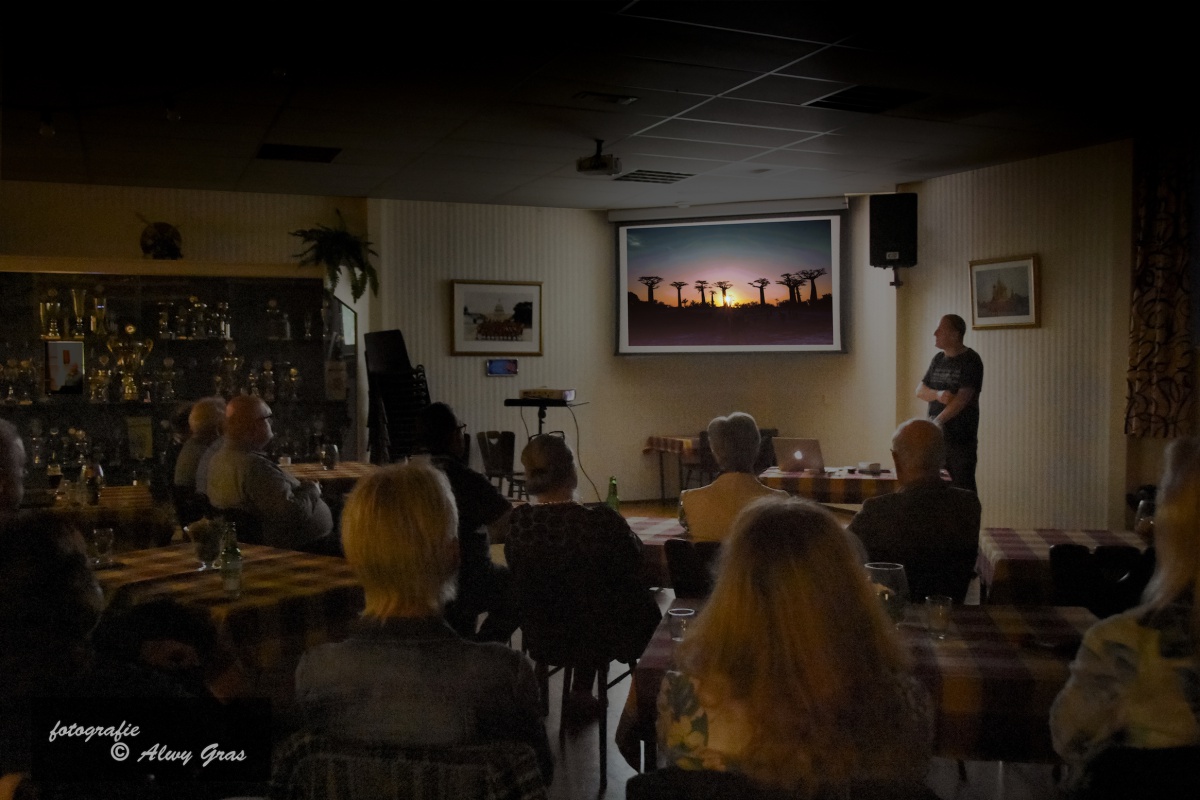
[231, 563]
[613, 501]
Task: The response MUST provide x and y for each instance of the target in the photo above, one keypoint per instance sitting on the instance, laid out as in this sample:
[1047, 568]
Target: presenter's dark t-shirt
[963, 370]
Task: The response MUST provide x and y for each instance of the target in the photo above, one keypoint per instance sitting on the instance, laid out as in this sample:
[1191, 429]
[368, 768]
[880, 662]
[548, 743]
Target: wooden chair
[690, 565]
[498, 449]
[309, 766]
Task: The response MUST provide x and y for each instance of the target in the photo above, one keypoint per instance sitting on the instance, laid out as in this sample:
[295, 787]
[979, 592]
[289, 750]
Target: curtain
[1160, 376]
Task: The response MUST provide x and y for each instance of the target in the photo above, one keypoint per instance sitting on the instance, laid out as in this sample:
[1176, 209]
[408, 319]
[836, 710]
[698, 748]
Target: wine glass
[1143, 520]
[891, 586]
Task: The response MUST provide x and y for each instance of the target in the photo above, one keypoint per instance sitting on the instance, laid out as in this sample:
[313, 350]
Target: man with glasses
[291, 513]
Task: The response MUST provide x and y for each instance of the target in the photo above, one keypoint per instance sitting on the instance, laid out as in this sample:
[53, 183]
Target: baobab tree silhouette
[724, 286]
[811, 276]
[702, 285]
[793, 284]
[762, 284]
[651, 281]
[679, 291]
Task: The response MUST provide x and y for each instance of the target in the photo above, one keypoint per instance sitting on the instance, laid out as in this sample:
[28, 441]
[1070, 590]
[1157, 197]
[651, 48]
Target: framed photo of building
[496, 318]
[1004, 293]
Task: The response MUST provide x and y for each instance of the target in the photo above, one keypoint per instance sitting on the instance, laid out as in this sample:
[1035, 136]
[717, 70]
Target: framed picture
[1004, 293]
[64, 367]
[497, 318]
[769, 284]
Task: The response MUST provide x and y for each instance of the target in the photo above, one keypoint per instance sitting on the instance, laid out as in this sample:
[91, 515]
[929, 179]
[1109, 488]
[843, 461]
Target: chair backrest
[690, 565]
[189, 505]
[1107, 581]
[309, 766]
[497, 449]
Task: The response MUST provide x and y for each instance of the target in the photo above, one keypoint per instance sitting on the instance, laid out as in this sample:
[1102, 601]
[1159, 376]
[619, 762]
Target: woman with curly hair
[792, 674]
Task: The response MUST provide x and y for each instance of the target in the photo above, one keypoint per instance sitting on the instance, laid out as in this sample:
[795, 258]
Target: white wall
[1051, 450]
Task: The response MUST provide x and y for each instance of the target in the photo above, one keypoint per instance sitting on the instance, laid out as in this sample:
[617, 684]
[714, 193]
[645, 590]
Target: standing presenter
[951, 386]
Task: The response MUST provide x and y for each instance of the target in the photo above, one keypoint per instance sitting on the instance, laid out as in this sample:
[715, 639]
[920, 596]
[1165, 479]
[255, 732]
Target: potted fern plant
[338, 248]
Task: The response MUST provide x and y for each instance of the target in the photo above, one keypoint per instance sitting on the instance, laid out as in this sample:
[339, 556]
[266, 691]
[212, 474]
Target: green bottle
[231, 563]
[613, 501]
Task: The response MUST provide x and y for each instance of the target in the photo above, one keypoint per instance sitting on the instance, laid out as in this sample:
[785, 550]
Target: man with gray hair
[707, 513]
[12, 470]
[929, 526]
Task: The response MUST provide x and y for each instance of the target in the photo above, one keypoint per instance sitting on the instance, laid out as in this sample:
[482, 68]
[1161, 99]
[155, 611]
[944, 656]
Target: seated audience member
[205, 421]
[290, 511]
[707, 513]
[1135, 682]
[929, 526]
[482, 585]
[556, 546]
[12, 471]
[404, 677]
[49, 605]
[792, 674]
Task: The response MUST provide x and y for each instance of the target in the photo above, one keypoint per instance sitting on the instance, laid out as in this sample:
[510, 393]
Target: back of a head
[242, 415]
[734, 441]
[549, 465]
[436, 426]
[919, 446]
[207, 417]
[399, 534]
[1177, 525]
[793, 633]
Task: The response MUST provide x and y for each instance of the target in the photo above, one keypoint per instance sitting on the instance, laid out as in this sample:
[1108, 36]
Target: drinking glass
[1143, 521]
[891, 585]
[206, 536]
[54, 475]
[680, 618]
[937, 615]
[100, 547]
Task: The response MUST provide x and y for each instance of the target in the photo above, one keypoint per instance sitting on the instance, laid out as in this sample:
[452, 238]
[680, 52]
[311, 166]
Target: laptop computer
[798, 455]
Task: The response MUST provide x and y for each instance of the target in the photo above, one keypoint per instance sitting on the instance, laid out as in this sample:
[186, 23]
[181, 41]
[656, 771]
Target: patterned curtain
[1160, 377]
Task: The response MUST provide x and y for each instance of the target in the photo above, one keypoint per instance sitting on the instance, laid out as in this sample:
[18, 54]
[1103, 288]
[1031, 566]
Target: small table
[832, 487]
[137, 519]
[687, 448]
[1014, 565]
[654, 532]
[336, 481]
[991, 681]
[290, 602]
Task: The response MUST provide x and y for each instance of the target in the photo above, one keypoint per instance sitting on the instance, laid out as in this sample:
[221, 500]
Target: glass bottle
[231, 563]
[613, 501]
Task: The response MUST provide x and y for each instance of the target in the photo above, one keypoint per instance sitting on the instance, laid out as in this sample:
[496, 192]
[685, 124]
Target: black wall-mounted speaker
[893, 230]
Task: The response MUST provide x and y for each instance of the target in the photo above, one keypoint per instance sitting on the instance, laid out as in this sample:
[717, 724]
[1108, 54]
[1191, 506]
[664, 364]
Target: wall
[1052, 451]
[426, 245]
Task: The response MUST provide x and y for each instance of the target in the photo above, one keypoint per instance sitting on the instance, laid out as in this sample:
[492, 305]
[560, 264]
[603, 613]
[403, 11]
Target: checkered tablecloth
[991, 680]
[654, 531]
[835, 487]
[1014, 565]
[137, 519]
[290, 602]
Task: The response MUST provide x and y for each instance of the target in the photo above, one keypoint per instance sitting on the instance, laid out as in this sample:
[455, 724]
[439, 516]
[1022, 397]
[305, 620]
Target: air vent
[654, 176]
[296, 152]
[868, 99]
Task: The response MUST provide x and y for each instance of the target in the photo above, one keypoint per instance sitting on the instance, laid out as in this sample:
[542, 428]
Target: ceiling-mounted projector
[598, 164]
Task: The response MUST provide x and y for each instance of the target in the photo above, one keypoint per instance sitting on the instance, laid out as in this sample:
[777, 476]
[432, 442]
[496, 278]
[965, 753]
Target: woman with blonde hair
[404, 677]
[1135, 682]
[792, 674]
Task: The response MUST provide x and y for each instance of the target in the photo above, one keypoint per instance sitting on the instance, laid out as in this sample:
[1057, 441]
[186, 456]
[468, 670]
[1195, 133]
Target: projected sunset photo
[746, 285]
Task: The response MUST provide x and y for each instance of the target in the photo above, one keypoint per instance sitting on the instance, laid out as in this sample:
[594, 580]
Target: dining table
[654, 532]
[290, 602]
[991, 680]
[832, 485]
[1014, 564]
[138, 519]
[336, 480]
[685, 448]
